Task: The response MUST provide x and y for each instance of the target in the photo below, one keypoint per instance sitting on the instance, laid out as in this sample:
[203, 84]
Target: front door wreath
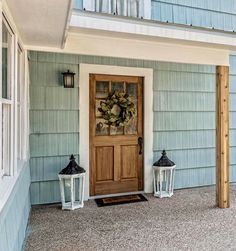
[117, 109]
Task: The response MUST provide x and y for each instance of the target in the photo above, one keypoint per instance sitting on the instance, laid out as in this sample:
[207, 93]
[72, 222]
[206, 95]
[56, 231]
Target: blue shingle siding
[184, 121]
[78, 4]
[14, 215]
[184, 118]
[218, 14]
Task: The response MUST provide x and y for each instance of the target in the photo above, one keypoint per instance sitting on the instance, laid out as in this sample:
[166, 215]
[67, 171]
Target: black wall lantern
[68, 79]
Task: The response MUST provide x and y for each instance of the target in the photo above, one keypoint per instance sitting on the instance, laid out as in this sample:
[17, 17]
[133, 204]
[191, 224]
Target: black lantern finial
[72, 157]
[164, 160]
[72, 167]
[68, 79]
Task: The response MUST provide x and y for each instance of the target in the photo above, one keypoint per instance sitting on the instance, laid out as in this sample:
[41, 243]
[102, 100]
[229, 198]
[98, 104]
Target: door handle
[140, 142]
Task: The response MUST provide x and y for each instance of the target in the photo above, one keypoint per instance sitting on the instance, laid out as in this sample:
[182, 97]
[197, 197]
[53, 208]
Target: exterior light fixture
[163, 176]
[71, 180]
[68, 79]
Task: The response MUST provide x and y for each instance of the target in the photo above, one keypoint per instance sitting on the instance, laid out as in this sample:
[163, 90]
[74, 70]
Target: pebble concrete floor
[187, 221]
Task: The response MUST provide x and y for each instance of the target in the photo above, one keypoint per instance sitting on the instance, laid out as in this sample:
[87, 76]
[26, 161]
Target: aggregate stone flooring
[187, 221]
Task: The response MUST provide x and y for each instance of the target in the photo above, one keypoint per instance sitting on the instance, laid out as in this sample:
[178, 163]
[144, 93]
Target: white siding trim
[104, 22]
[123, 47]
[84, 71]
[98, 45]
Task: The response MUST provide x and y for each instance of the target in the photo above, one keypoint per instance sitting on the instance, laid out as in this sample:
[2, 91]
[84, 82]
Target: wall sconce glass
[68, 79]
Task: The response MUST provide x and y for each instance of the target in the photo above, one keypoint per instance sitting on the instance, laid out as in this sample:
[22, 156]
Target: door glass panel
[101, 128]
[102, 89]
[98, 105]
[116, 130]
[132, 89]
[117, 86]
[131, 127]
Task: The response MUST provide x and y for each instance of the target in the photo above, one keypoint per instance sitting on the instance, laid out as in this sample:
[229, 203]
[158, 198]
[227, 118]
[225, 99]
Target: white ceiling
[41, 22]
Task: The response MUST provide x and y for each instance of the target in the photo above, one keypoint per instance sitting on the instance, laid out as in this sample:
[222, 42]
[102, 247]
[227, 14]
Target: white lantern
[163, 177]
[71, 180]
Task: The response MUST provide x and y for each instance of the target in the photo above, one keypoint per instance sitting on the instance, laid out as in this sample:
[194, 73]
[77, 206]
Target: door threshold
[114, 195]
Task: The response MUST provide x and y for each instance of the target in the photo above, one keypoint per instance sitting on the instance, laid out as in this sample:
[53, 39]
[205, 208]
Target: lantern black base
[112, 201]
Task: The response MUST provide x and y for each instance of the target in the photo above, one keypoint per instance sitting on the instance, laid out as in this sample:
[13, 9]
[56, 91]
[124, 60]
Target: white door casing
[147, 74]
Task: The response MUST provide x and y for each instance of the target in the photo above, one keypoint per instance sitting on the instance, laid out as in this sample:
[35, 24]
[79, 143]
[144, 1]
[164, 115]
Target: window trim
[8, 101]
[7, 183]
[15, 162]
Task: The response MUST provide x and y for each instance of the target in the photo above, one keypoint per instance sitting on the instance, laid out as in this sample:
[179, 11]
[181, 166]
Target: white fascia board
[104, 22]
[108, 46]
[97, 45]
[67, 25]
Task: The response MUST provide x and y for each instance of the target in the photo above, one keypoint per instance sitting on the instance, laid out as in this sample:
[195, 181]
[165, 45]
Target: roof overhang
[152, 29]
[85, 42]
[41, 22]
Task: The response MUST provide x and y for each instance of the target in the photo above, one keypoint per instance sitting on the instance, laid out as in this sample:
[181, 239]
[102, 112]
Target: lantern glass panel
[67, 188]
[69, 80]
[77, 183]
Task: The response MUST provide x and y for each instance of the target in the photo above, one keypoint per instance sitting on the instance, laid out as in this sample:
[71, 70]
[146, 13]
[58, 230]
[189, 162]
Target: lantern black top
[164, 160]
[68, 72]
[72, 167]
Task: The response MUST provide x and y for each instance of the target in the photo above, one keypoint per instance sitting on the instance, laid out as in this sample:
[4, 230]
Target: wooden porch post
[222, 136]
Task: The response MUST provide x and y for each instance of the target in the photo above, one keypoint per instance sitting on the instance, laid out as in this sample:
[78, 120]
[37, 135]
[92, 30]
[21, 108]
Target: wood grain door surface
[116, 157]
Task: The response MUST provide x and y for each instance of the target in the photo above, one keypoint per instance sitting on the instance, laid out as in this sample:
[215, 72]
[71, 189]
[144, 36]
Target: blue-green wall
[184, 118]
[218, 14]
[54, 123]
[184, 121]
[14, 215]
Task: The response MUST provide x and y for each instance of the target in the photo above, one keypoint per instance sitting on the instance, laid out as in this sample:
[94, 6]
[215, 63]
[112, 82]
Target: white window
[13, 107]
[6, 105]
[13, 103]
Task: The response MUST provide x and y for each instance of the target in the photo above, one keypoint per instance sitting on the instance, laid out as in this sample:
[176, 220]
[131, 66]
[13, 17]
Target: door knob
[140, 142]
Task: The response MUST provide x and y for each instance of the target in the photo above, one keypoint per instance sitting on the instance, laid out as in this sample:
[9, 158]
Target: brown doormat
[112, 201]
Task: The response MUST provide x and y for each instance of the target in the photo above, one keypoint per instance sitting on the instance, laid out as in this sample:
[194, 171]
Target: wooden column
[222, 136]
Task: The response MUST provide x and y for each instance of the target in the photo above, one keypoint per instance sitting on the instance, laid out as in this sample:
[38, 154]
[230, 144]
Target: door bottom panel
[116, 187]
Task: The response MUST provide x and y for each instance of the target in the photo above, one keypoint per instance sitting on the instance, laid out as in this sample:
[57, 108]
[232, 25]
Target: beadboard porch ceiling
[41, 22]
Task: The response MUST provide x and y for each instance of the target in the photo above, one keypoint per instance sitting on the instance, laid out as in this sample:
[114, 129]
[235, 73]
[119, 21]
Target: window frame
[7, 183]
[17, 79]
[8, 170]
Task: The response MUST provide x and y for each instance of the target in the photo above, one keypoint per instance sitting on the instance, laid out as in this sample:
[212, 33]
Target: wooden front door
[116, 152]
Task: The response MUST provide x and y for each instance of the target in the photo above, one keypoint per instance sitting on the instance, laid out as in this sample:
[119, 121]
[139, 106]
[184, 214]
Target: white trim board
[147, 74]
[150, 28]
[98, 45]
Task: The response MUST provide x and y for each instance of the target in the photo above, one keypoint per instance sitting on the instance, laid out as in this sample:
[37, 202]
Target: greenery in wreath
[117, 109]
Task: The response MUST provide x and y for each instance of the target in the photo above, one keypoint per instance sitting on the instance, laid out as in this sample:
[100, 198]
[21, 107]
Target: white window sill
[7, 184]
